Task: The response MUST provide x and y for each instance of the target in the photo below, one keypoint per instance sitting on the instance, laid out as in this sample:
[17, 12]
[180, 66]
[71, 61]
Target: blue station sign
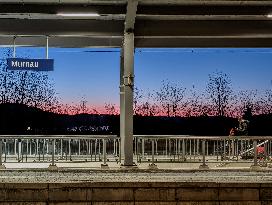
[30, 64]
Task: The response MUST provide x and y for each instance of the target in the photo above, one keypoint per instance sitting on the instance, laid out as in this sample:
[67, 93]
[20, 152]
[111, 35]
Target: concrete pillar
[126, 98]
[122, 113]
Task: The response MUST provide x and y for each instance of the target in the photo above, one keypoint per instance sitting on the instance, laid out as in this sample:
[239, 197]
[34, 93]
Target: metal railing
[61, 148]
[147, 148]
[207, 149]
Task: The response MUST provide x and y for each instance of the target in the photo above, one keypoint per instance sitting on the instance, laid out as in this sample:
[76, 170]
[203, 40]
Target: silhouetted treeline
[21, 119]
[203, 125]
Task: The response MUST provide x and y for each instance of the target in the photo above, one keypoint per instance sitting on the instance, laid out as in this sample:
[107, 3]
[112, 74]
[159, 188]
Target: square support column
[126, 99]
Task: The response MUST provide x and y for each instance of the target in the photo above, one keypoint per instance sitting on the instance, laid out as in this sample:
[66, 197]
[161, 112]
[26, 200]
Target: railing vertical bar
[61, 148]
[156, 146]
[197, 146]
[135, 146]
[207, 148]
[166, 142]
[153, 152]
[1, 163]
[114, 147]
[99, 149]
[6, 151]
[203, 165]
[183, 150]
[53, 152]
[43, 148]
[217, 149]
[255, 161]
[69, 149]
[104, 154]
[194, 149]
[95, 145]
[79, 147]
[91, 149]
[214, 148]
[176, 146]
[119, 150]
[143, 148]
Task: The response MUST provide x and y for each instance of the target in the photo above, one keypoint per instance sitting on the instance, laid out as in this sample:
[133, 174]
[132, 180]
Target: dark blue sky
[247, 68]
[95, 75]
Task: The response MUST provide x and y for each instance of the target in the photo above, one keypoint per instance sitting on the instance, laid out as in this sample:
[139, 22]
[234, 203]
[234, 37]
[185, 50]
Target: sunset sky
[93, 74]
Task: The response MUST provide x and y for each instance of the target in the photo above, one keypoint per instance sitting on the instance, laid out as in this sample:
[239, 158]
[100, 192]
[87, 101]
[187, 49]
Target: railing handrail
[58, 136]
[204, 137]
[149, 137]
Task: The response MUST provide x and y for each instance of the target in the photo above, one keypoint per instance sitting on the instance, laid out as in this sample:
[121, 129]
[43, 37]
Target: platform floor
[166, 172]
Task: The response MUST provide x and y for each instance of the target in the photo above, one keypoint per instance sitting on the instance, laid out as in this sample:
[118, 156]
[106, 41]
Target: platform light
[78, 14]
[269, 15]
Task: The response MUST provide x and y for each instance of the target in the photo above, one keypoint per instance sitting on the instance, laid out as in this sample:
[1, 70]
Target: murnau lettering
[24, 64]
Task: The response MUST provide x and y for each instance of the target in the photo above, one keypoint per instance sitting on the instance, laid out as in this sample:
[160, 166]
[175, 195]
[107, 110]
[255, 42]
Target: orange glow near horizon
[115, 110]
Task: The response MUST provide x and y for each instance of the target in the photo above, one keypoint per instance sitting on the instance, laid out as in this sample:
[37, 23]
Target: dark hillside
[21, 119]
[183, 125]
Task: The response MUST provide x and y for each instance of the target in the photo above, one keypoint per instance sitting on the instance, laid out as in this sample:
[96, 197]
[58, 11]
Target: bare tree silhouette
[170, 97]
[248, 100]
[193, 103]
[83, 105]
[111, 109]
[147, 107]
[138, 96]
[7, 80]
[219, 92]
[267, 102]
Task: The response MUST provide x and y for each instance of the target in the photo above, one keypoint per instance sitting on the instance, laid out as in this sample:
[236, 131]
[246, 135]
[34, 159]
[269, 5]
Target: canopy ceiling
[158, 23]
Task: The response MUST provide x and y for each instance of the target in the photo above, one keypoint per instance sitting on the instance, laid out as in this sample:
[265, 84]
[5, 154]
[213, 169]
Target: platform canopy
[130, 24]
[158, 23]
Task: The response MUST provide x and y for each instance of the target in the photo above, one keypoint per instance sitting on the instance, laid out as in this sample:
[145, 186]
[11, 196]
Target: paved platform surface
[134, 176]
[174, 172]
